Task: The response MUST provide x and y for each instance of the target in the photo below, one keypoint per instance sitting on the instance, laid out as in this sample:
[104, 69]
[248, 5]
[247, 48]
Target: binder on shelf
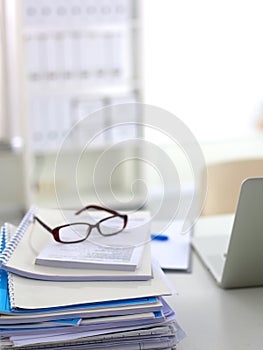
[63, 118]
[43, 56]
[76, 54]
[59, 38]
[99, 57]
[69, 64]
[124, 119]
[32, 57]
[122, 10]
[37, 131]
[89, 47]
[112, 54]
[51, 123]
[85, 55]
[90, 127]
[52, 57]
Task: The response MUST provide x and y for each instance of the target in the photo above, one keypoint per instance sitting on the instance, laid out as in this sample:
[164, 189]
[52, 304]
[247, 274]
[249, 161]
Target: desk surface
[214, 318]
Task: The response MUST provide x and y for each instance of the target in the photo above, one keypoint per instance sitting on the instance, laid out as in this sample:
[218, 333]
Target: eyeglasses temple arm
[125, 220]
[114, 212]
[43, 224]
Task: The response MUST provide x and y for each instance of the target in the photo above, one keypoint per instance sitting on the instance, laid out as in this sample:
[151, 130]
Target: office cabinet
[78, 58]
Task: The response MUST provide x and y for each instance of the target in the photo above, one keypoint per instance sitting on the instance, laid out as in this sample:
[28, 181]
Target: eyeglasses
[79, 231]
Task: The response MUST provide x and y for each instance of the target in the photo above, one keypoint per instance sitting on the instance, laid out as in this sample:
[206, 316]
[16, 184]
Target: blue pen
[159, 237]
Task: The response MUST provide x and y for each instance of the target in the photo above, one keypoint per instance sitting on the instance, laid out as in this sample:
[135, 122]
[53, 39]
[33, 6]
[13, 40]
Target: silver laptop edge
[242, 266]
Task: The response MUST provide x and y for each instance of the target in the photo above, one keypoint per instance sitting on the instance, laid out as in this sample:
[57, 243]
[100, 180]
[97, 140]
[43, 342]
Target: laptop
[231, 246]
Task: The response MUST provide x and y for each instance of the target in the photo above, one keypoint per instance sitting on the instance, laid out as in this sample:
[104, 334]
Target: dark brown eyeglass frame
[55, 231]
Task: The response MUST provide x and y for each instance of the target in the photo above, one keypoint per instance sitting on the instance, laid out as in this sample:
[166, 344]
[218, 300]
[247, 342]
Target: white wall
[203, 61]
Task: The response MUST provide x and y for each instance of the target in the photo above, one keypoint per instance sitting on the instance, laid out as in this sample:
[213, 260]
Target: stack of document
[46, 259]
[81, 314]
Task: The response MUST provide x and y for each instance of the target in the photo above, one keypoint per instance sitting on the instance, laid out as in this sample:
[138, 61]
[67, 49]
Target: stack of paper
[44, 314]
[41, 249]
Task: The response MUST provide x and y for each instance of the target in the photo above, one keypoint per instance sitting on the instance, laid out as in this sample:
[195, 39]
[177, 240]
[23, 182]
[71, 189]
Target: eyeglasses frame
[55, 231]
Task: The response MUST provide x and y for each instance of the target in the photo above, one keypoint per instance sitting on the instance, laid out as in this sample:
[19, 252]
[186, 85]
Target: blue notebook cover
[4, 297]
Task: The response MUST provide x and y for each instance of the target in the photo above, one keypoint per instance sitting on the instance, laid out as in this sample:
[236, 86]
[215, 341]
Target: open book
[26, 242]
[122, 251]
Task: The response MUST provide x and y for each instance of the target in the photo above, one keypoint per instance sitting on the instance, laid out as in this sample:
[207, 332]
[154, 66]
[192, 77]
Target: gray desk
[213, 318]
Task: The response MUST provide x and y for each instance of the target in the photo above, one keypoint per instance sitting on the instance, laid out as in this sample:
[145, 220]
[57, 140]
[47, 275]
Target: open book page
[122, 251]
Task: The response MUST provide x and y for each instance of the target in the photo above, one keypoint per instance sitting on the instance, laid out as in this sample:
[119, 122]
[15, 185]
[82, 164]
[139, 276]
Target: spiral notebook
[28, 293]
[8, 292]
[25, 243]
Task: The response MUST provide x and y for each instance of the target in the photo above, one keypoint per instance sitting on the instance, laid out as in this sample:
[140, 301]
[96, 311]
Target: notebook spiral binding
[11, 290]
[11, 245]
[2, 237]
[2, 244]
